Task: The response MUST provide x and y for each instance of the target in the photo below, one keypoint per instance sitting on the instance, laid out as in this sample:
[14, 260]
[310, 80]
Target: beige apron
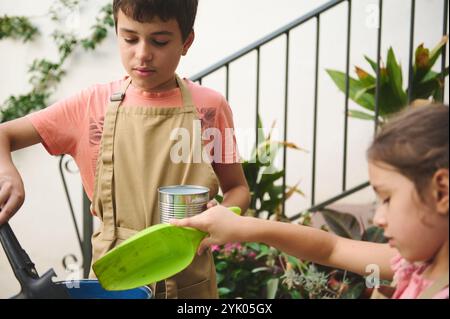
[133, 162]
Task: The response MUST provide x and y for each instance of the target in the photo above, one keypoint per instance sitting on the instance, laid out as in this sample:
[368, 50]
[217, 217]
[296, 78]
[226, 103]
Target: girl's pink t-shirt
[74, 125]
[410, 281]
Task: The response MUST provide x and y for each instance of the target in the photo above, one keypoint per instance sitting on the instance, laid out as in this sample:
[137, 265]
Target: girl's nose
[379, 218]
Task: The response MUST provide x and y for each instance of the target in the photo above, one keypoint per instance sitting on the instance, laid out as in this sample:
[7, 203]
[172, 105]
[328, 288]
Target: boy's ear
[187, 44]
[440, 191]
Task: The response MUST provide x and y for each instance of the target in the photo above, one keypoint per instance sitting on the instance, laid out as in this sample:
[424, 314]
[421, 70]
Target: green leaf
[437, 51]
[390, 101]
[260, 269]
[219, 198]
[375, 235]
[267, 180]
[219, 277]
[22, 105]
[296, 295]
[17, 28]
[224, 291]
[432, 76]
[372, 63]
[264, 252]
[363, 91]
[342, 224]
[272, 288]
[361, 115]
[293, 261]
[251, 171]
[221, 266]
[430, 85]
[365, 78]
[395, 76]
[255, 246]
[355, 291]
[365, 100]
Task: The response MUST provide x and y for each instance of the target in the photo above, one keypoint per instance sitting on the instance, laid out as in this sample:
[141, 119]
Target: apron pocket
[201, 290]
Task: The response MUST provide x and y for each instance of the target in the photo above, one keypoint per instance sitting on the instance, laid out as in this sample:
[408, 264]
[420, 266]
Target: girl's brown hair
[415, 143]
[184, 11]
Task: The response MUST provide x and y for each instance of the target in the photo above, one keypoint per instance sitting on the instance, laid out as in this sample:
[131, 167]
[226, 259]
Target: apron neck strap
[185, 93]
[435, 287]
[118, 97]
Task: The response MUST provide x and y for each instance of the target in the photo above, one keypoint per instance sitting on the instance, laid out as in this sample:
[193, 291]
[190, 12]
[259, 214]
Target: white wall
[43, 225]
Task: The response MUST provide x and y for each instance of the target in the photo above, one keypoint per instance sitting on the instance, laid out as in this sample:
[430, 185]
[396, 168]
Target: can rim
[200, 190]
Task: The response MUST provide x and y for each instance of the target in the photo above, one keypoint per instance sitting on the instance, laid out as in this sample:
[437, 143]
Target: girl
[408, 169]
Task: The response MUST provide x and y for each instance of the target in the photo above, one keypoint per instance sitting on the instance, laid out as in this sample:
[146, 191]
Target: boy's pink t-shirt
[74, 126]
[410, 281]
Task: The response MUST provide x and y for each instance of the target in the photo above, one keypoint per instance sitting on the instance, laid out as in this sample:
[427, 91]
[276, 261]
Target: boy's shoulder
[106, 88]
[205, 96]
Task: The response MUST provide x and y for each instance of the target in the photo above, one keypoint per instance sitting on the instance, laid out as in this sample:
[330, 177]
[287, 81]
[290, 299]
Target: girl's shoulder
[409, 280]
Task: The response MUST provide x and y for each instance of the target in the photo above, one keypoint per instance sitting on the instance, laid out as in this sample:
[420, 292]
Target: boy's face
[150, 52]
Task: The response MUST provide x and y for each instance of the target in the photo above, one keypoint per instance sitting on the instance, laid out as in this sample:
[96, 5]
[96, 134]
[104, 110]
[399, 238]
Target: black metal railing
[286, 32]
[84, 240]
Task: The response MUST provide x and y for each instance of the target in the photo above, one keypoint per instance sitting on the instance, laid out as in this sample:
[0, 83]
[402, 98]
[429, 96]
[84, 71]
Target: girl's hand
[222, 225]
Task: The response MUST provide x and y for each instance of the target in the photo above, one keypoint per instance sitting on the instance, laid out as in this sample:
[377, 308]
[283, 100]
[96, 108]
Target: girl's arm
[306, 243]
[321, 247]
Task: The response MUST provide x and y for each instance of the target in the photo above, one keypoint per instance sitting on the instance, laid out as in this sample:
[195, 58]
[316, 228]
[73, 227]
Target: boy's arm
[14, 135]
[233, 184]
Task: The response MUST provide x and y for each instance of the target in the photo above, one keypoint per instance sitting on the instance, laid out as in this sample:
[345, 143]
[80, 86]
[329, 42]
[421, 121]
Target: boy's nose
[379, 219]
[144, 52]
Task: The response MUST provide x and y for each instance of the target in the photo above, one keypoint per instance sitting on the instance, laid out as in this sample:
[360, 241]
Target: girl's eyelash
[386, 201]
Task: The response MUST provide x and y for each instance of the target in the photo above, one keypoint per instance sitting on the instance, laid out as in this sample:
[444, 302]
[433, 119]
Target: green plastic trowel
[154, 254]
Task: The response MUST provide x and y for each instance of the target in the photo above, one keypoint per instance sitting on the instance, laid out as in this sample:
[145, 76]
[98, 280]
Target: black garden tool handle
[32, 285]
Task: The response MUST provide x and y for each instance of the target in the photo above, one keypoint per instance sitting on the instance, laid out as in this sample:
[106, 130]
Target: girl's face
[415, 229]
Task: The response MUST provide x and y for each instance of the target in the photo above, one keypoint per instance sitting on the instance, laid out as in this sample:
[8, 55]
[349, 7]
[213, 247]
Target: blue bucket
[91, 289]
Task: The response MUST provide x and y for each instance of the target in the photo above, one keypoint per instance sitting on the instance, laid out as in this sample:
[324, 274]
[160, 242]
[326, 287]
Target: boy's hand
[212, 203]
[12, 195]
[221, 224]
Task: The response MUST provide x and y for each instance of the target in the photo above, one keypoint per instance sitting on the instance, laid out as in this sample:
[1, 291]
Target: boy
[120, 137]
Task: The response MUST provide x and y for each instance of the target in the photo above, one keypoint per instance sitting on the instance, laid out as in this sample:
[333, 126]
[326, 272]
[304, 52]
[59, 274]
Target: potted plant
[427, 85]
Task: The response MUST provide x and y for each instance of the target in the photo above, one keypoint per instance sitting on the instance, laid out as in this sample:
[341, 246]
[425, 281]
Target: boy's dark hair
[184, 11]
[415, 143]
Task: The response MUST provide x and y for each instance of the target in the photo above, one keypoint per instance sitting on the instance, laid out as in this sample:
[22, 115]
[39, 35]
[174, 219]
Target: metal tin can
[182, 201]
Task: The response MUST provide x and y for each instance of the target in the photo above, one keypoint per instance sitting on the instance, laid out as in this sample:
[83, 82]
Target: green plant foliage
[44, 74]
[426, 83]
[347, 226]
[256, 271]
[17, 28]
[18, 106]
[264, 179]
